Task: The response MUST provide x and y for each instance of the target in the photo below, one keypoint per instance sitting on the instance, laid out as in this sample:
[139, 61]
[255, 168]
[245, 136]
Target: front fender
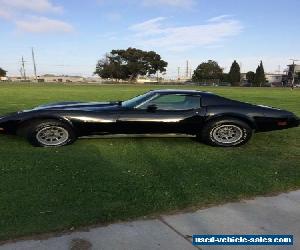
[11, 123]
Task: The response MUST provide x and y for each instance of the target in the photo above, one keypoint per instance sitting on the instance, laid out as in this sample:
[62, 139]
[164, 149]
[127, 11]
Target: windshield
[137, 100]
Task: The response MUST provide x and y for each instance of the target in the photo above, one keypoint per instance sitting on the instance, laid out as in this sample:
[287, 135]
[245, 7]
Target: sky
[69, 37]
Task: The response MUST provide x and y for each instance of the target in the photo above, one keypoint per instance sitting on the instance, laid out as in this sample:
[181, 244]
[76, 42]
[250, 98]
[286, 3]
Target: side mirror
[152, 108]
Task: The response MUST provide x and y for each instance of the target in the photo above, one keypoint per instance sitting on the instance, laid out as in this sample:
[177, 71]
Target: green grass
[105, 180]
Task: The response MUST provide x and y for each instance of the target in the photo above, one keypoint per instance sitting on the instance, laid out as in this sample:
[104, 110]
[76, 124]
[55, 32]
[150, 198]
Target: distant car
[213, 119]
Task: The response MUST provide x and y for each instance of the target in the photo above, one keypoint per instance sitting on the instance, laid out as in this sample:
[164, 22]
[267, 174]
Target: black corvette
[212, 119]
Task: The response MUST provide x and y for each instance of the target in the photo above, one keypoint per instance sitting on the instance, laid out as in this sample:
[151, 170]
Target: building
[15, 78]
[3, 78]
[273, 78]
[63, 78]
[48, 78]
[145, 79]
[94, 80]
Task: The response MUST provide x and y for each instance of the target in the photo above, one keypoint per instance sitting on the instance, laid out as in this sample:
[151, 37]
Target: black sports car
[211, 118]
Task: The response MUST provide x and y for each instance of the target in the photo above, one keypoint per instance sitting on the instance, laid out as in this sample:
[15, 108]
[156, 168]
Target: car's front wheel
[49, 133]
[226, 132]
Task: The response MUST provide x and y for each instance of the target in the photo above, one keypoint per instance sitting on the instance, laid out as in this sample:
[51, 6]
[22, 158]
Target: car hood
[77, 106]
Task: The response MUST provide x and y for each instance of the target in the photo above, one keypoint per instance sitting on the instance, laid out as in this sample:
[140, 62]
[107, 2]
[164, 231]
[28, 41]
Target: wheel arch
[26, 122]
[241, 117]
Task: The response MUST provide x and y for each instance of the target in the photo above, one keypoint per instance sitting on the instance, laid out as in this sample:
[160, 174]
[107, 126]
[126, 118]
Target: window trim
[149, 100]
[156, 95]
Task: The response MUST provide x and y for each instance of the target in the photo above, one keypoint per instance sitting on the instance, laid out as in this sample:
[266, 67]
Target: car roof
[181, 91]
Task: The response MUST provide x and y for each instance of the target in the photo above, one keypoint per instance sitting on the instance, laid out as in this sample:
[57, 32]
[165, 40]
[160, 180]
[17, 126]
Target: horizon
[69, 38]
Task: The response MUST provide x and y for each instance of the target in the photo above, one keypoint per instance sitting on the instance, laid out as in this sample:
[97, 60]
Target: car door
[164, 113]
[96, 121]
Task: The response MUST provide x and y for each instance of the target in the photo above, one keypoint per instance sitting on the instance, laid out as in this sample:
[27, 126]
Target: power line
[294, 60]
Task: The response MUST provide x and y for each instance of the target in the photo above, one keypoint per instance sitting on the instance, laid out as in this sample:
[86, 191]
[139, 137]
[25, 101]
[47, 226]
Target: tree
[208, 71]
[225, 77]
[129, 64]
[109, 68]
[2, 72]
[297, 78]
[260, 77]
[235, 74]
[250, 76]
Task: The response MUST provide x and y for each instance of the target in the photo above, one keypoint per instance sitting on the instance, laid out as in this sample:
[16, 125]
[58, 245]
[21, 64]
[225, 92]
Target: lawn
[105, 180]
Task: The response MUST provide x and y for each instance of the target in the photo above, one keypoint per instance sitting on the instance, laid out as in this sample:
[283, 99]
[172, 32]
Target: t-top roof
[181, 91]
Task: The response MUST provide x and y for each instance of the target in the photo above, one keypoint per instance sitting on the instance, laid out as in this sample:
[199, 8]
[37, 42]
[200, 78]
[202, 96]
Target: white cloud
[31, 5]
[23, 14]
[154, 34]
[150, 27]
[172, 3]
[43, 25]
[219, 18]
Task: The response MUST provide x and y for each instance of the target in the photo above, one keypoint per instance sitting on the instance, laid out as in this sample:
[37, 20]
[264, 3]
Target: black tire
[56, 133]
[226, 132]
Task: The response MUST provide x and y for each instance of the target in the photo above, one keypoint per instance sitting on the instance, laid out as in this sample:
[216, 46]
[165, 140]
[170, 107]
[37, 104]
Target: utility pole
[34, 64]
[23, 68]
[279, 69]
[187, 69]
[21, 72]
[241, 71]
[178, 73]
[293, 71]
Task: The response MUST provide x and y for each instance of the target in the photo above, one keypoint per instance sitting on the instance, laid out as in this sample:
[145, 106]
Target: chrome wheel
[52, 136]
[227, 134]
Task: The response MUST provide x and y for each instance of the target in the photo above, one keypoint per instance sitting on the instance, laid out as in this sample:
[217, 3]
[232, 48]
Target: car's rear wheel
[49, 133]
[226, 132]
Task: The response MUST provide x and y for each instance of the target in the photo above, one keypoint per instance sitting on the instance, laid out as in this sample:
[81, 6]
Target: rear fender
[250, 121]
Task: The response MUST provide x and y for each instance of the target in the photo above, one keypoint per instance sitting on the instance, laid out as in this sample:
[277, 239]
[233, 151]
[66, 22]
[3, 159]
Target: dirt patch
[80, 244]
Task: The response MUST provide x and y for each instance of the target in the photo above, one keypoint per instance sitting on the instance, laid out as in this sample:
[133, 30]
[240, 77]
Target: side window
[174, 102]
